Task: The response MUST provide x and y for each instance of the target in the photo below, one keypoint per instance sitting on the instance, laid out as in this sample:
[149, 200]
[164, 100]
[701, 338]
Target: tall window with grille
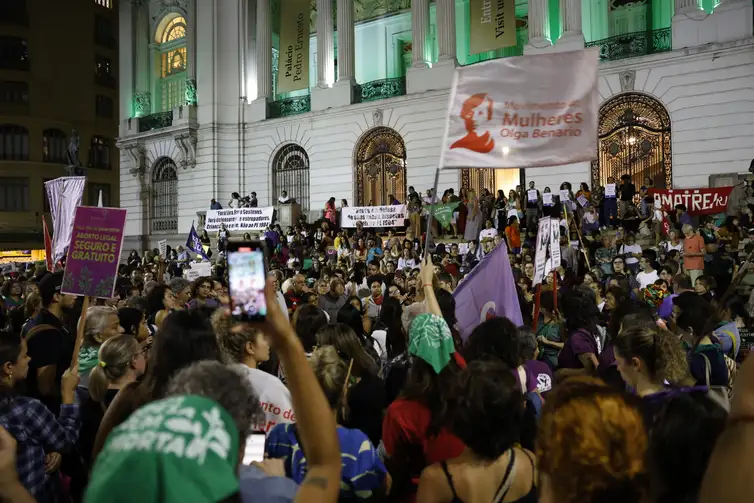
[13, 95]
[171, 40]
[14, 53]
[99, 153]
[164, 196]
[290, 173]
[14, 194]
[14, 143]
[104, 74]
[54, 146]
[93, 191]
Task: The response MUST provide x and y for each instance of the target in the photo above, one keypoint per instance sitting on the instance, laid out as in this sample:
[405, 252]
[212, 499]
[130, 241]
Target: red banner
[696, 201]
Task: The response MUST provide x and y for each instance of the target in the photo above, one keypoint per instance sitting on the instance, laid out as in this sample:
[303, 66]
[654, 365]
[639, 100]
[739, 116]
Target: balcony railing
[381, 89]
[155, 121]
[290, 106]
[630, 45]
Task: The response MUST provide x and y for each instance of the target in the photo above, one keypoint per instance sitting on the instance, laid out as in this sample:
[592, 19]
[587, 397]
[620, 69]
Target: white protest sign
[564, 195]
[531, 195]
[239, 219]
[374, 216]
[163, 247]
[554, 245]
[540, 254]
[583, 201]
[547, 198]
[198, 270]
[528, 111]
[610, 190]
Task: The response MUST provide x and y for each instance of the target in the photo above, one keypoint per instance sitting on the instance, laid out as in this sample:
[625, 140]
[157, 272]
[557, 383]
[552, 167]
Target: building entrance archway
[380, 167]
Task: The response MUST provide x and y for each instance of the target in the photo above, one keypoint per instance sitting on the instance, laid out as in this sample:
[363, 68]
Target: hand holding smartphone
[247, 275]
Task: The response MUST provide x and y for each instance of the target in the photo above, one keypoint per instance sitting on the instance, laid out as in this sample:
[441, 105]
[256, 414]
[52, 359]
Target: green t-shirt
[549, 354]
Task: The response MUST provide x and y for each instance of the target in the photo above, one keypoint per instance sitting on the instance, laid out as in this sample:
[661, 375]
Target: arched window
[171, 39]
[99, 153]
[54, 146]
[290, 173]
[164, 196]
[14, 143]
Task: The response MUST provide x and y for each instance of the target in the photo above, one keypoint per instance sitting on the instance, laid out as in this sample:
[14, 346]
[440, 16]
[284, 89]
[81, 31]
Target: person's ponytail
[115, 357]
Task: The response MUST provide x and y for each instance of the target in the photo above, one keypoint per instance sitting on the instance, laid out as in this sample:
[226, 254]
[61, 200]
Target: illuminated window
[108, 4]
[171, 38]
[93, 190]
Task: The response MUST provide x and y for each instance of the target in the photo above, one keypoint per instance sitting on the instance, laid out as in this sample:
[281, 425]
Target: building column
[346, 35]
[539, 23]
[143, 99]
[734, 20]
[446, 29]
[263, 57]
[325, 45]
[571, 38]
[420, 31]
[251, 50]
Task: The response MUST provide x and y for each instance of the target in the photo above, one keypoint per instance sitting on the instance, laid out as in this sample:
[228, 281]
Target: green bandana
[429, 338]
[443, 213]
[180, 449]
[88, 358]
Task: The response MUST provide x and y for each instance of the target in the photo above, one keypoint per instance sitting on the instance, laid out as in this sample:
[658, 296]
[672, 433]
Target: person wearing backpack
[49, 342]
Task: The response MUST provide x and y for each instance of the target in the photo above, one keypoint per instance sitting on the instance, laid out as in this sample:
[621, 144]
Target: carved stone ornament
[627, 80]
[191, 92]
[136, 153]
[187, 144]
[142, 104]
[377, 116]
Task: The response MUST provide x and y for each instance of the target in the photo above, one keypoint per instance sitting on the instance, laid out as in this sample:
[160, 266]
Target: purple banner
[93, 257]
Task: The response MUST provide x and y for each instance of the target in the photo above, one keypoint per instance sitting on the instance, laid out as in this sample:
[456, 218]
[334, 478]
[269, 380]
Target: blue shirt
[371, 253]
[258, 487]
[362, 470]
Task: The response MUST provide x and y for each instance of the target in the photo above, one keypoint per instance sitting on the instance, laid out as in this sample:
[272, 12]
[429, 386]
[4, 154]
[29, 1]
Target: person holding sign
[533, 201]
[610, 203]
[551, 204]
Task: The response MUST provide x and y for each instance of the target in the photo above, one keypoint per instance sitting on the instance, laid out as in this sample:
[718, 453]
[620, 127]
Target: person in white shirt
[631, 251]
[407, 261]
[284, 199]
[248, 348]
[648, 274]
[487, 237]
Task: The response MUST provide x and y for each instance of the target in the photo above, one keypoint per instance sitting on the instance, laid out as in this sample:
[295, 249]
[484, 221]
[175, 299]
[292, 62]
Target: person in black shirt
[50, 343]
[532, 208]
[626, 193]
[720, 266]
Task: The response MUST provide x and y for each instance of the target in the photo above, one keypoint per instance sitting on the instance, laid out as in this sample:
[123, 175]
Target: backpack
[719, 394]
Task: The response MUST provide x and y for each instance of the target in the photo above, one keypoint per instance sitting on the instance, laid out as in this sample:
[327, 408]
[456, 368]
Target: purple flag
[488, 291]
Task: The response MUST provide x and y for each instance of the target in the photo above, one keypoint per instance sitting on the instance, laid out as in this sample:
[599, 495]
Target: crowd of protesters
[616, 388]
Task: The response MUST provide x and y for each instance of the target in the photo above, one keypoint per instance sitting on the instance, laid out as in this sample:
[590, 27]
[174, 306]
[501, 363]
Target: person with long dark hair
[582, 345]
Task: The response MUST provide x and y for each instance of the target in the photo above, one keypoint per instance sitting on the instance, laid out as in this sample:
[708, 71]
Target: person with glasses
[620, 270]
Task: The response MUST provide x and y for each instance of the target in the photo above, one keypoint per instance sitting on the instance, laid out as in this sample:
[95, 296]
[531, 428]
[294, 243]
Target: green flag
[443, 213]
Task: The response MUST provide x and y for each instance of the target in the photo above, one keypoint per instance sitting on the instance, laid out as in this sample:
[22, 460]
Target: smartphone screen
[254, 450]
[246, 278]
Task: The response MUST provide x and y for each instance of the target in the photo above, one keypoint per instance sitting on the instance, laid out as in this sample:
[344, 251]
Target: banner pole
[441, 162]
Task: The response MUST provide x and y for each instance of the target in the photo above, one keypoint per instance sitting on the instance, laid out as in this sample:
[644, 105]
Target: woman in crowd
[102, 323]
[330, 211]
[307, 320]
[549, 330]
[41, 436]
[11, 293]
[474, 219]
[514, 204]
[488, 420]
[363, 475]
[366, 396]
[591, 446]
[695, 317]
[248, 348]
[501, 212]
[583, 342]
[121, 362]
[186, 337]
[161, 302]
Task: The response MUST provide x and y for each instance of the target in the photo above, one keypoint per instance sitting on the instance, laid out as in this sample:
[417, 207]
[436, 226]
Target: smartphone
[254, 450]
[247, 274]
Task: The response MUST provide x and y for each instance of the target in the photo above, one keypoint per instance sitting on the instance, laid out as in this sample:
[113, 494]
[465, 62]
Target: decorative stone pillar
[420, 32]
[539, 22]
[446, 29]
[325, 44]
[346, 61]
[687, 6]
[264, 50]
[571, 38]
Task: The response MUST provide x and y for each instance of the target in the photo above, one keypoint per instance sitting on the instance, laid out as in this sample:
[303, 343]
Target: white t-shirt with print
[646, 278]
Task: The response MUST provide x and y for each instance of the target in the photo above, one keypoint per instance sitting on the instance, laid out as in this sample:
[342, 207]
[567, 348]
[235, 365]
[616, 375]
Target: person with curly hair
[583, 343]
[488, 418]
[591, 445]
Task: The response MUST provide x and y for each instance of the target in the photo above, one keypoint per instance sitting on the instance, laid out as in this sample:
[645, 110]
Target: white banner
[198, 270]
[527, 111]
[64, 194]
[554, 261]
[374, 216]
[239, 219]
[540, 254]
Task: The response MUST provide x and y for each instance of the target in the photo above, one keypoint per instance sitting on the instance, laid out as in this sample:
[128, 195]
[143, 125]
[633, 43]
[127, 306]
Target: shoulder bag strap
[37, 329]
[707, 369]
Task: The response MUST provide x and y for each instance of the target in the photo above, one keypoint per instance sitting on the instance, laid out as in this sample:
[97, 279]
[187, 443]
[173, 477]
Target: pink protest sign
[94, 253]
